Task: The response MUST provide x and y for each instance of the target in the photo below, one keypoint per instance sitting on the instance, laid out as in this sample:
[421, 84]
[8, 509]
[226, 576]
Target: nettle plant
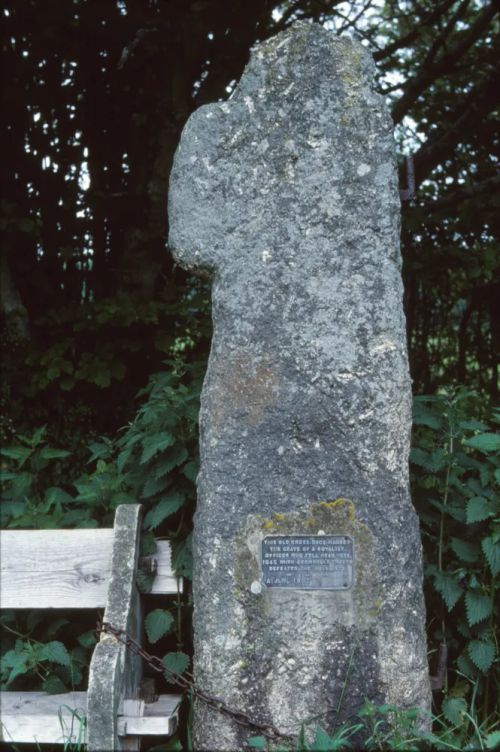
[456, 482]
[153, 461]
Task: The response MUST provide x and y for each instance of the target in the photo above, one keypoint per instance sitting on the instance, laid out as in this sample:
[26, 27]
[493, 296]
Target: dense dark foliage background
[94, 97]
[95, 94]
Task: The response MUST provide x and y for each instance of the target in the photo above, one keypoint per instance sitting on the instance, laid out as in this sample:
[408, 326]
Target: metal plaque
[308, 562]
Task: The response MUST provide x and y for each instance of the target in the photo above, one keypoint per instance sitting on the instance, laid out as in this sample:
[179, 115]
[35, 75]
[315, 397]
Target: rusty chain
[186, 682]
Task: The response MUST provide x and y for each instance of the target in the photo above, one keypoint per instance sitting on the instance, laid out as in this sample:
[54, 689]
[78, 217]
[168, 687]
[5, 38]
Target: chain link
[186, 682]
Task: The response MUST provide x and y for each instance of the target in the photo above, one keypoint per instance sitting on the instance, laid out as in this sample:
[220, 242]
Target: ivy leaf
[453, 710]
[485, 442]
[448, 586]
[465, 550]
[491, 550]
[176, 663]
[478, 509]
[158, 623]
[54, 685]
[55, 652]
[167, 506]
[482, 653]
[477, 606]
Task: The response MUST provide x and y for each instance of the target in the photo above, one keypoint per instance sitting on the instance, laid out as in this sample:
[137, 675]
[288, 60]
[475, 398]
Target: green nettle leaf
[176, 663]
[54, 685]
[477, 606]
[47, 453]
[449, 587]
[153, 486]
[257, 742]
[158, 623]
[478, 509]
[16, 453]
[421, 458]
[422, 417]
[190, 470]
[465, 550]
[87, 639]
[55, 652]
[493, 740]
[482, 653]
[485, 442]
[174, 457]
[167, 506]
[454, 709]
[16, 661]
[182, 557]
[491, 550]
[154, 444]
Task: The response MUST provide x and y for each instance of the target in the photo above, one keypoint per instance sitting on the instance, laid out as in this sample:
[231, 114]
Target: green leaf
[174, 457]
[158, 623]
[154, 444]
[87, 639]
[54, 685]
[477, 606]
[322, 741]
[485, 442]
[257, 742]
[448, 586]
[190, 470]
[176, 663]
[421, 458]
[47, 453]
[182, 557]
[478, 509]
[482, 653]
[55, 652]
[167, 506]
[454, 709]
[56, 625]
[465, 550]
[16, 453]
[153, 486]
[15, 660]
[493, 740]
[491, 550]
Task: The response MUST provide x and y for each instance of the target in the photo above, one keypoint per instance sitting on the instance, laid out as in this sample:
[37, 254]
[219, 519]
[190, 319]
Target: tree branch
[445, 64]
[478, 104]
[428, 20]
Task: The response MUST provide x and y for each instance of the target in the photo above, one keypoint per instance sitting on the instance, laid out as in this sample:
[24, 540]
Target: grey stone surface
[287, 196]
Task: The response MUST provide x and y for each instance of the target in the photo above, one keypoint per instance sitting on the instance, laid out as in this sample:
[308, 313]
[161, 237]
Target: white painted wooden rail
[86, 568]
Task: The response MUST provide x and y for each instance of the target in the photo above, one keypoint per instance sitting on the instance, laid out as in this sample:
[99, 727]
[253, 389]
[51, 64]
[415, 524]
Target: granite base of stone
[312, 657]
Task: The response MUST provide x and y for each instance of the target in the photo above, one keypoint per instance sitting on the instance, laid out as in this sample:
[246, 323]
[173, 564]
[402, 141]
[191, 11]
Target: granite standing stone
[287, 196]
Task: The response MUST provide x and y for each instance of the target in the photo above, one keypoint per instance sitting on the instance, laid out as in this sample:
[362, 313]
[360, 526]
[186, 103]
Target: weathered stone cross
[307, 555]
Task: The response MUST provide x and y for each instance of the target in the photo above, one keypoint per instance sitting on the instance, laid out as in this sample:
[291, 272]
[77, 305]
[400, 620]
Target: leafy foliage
[458, 501]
